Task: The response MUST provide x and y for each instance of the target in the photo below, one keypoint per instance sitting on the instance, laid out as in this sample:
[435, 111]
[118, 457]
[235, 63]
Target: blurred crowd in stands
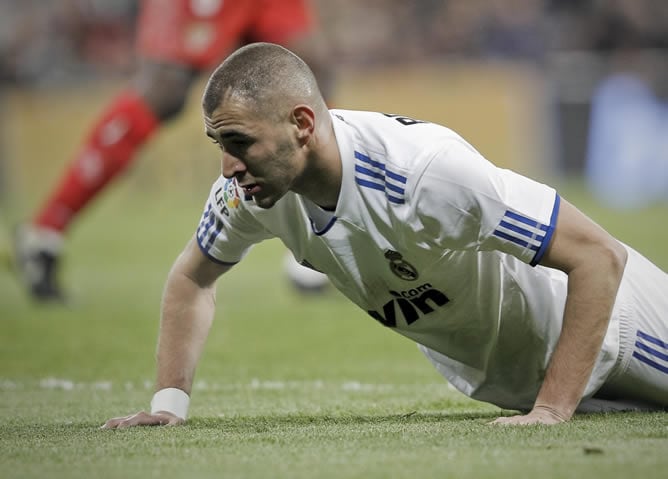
[592, 51]
[65, 39]
[96, 36]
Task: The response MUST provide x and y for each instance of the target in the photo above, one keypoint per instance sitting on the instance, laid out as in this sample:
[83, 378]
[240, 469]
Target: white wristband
[171, 400]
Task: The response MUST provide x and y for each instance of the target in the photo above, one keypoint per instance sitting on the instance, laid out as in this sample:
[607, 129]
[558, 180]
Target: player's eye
[237, 146]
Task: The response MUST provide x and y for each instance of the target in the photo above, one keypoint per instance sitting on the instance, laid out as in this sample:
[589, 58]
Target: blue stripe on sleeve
[522, 219]
[396, 177]
[394, 188]
[518, 229]
[368, 172]
[215, 260]
[649, 362]
[651, 351]
[549, 231]
[651, 339]
[368, 160]
[394, 199]
[369, 184]
[389, 182]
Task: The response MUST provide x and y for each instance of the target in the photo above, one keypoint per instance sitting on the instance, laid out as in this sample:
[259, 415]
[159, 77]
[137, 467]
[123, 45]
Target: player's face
[263, 155]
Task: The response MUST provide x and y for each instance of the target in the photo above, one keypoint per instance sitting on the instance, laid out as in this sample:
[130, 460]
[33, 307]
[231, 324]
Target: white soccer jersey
[432, 241]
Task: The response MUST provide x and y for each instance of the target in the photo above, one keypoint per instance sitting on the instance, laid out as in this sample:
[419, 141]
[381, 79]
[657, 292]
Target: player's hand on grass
[142, 418]
[538, 415]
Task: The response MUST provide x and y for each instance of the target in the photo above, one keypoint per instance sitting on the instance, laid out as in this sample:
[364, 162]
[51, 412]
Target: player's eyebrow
[234, 136]
[227, 135]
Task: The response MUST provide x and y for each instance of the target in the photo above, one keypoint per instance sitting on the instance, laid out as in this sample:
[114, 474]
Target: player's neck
[321, 179]
[321, 185]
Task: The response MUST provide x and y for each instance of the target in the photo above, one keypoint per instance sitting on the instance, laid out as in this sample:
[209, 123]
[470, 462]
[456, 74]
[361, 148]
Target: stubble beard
[284, 152]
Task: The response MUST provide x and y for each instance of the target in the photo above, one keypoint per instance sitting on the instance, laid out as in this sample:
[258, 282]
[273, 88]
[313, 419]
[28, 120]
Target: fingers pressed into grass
[536, 416]
[143, 418]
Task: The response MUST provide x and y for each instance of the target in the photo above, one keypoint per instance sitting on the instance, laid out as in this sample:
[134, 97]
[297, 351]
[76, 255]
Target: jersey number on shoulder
[404, 120]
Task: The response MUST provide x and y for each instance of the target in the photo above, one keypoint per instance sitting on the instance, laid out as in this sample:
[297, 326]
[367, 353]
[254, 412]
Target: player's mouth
[251, 189]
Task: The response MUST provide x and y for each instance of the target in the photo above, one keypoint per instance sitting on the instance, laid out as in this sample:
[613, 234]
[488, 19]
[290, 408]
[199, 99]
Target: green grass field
[288, 386]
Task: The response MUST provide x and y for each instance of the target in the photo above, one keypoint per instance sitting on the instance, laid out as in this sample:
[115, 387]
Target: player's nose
[231, 166]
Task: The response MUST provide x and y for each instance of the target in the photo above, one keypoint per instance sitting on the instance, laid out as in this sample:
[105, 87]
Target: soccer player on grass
[515, 296]
[176, 41]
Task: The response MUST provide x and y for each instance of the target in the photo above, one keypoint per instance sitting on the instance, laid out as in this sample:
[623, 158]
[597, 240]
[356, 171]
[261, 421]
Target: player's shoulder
[398, 139]
[394, 129]
[376, 120]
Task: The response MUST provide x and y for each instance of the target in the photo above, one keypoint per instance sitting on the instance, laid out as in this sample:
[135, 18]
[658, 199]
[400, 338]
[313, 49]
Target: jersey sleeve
[227, 229]
[467, 203]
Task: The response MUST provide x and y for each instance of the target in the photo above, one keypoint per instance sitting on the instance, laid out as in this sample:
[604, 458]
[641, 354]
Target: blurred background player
[627, 146]
[176, 41]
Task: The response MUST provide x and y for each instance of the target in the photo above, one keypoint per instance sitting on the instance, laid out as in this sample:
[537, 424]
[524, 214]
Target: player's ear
[303, 118]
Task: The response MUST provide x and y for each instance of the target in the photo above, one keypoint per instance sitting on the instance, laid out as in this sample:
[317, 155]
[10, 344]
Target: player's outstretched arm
[594, 262]
[187, 312]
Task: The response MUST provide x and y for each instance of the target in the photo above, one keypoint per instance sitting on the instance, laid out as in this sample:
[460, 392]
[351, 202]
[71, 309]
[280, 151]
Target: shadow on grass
[300, 420]
[275, 421]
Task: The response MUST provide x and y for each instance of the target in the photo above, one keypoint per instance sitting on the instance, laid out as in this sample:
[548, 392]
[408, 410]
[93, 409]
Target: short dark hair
[258, 73]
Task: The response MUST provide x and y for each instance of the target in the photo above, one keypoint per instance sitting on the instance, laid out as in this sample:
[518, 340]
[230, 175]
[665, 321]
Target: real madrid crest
[401, 267]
